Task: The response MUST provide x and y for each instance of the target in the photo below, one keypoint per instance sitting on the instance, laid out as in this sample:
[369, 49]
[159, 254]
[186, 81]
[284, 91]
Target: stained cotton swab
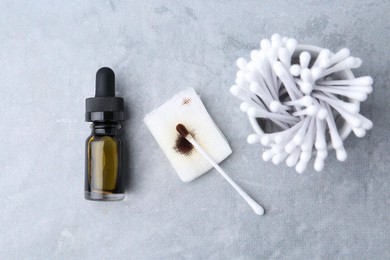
[182, 130]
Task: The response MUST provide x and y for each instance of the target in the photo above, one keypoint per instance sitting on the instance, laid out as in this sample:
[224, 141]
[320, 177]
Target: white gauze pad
[187, 108]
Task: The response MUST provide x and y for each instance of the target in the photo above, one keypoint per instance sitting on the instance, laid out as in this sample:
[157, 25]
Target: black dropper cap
[104, 106]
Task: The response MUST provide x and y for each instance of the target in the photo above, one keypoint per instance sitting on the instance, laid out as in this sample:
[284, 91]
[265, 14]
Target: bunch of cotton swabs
[302, 96]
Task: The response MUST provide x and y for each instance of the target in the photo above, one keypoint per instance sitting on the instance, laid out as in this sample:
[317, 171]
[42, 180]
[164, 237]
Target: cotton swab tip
[320, 144]
[367, 80]
[306, 101]
[301, 166]
[295, 70]
[267, 155]
[241, 63]
[306, 87]
[275, 106]
[341, 154]
[312, 110]
[182, 130]
[324, 63]
[316, 72]
[318, 165]
[253, 138]
[290, 146]
[291, 44]
[322, 154]
[322, 113]
[265, 140]
[345, 52]
[304, 59]
[252, 112]
[254, 55]
[305, 155]
[359, 132]
[244, 106]
[278, 138]
[276, 40]
[265, 44]
[234, 90]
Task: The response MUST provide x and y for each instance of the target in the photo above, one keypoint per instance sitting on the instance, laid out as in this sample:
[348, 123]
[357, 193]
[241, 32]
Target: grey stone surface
[50, 51]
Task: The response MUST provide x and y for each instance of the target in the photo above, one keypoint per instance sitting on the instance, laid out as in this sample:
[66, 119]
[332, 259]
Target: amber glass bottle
[103, 167]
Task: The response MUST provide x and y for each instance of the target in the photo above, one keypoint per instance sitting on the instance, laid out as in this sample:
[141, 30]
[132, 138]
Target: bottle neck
[105, 128]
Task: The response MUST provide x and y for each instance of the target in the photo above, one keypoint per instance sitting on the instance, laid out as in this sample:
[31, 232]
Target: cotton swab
[339, 56]
[257, 112]
[288, 82]
[241, 63]
[337, 142]
[357, 95]
[322, 59]
[320, 143]
[304, 59]
[352, 108]
[285, 57]
[182, 130]
[291, 45]
[366, 81]
[298, 91]
[303, 101]
[355, 88]
[348, 63]
[295, 70]
[279, 137]
[265, 44]
[292, 159]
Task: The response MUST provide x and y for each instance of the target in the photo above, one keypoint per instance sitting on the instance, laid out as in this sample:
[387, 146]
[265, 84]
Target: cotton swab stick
[348, 63]
[339, 56]
[299, 136]
[287, 80]
[284, 57]
[336, 140]
[257, 112]
[366, 81]
[182, 130]
[292, 159]
[244, 95]
[279, 137]
[320, 142]
[357, 95]
[319, 161]
[333, 101]
[361, 88]
[267, 75]
[303, 101]
[310, 111]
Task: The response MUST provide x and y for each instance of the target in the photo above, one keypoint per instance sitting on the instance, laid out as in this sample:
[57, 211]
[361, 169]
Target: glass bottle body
[103, 167]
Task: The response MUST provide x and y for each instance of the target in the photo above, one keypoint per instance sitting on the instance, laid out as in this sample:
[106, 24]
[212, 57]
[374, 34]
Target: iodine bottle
[103, 155]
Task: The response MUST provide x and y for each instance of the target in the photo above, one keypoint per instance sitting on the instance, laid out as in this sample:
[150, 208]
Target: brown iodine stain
[186, 101]
[182, 145]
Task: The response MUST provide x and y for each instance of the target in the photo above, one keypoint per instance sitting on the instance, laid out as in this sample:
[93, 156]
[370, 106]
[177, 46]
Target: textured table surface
[50, 51]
